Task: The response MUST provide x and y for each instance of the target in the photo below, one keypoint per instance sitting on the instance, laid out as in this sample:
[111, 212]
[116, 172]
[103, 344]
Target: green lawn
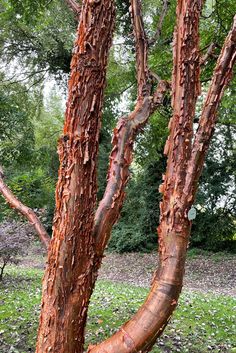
[202, 323]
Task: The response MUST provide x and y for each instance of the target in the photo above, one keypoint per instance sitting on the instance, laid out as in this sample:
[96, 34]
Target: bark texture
[72, 264]
[140, 333]
[80, 235]
[24, 210]
[184, 167]
[124, 136]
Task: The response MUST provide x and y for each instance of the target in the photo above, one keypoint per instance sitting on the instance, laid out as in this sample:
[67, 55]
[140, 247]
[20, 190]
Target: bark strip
[26, 211]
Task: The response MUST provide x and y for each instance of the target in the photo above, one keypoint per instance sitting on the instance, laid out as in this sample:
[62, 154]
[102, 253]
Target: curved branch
[221, 78]
[24, 210]
[120, 159]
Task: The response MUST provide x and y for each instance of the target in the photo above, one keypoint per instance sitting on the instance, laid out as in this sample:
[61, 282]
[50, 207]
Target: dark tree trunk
[72, 263]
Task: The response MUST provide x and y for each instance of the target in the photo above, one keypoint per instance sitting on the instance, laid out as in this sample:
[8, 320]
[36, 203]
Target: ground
[204, 321]
[205, 271]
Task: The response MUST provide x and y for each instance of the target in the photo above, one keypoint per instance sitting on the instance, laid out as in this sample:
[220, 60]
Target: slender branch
[157, 34]
[74, 6]
[124, 135]
[221, 78]
[208, 54]
[141, 48]
[24, 210]
[120, 159]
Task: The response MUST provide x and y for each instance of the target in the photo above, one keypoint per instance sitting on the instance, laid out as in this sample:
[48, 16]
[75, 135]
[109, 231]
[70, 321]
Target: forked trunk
[72, 263]
[80, 235]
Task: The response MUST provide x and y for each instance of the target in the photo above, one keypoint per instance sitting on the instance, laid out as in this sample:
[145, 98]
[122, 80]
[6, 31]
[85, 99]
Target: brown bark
[140, 333]
[24, 210]
[79, 239]
[72, 264]
[124, 135]
[221, 78]
[179, 188]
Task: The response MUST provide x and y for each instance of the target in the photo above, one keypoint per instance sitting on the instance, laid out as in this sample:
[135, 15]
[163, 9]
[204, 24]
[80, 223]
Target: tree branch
[141, 331]
[221, 78]
[120, 159]
[208, 54]
[75, 7]
[157, 34]
[24, 210]
[141, 49]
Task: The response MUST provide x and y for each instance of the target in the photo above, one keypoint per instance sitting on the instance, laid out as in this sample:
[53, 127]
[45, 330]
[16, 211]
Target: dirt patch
[203, 273]
[209, 273]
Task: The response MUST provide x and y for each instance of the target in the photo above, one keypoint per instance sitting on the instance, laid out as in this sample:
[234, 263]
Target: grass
[201, 323]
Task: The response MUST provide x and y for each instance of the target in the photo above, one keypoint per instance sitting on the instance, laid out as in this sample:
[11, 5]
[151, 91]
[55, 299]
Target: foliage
[211, 315]
[16, 129]
[39, 35]
[136, 230]
[215, 226]
[14, 241]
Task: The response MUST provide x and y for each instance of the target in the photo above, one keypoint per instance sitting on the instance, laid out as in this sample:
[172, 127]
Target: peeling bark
[221, 77]
[72, 263]
[24, 210]
[141, 331]
[124, 135]
[79, 237]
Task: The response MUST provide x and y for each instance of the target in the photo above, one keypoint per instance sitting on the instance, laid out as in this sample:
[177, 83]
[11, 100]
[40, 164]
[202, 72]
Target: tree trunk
[72, 262]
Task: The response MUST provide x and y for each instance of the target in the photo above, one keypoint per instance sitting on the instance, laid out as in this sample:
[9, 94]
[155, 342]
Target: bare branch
[75, 7]
[208, 54]
[157, 34]
[221, 78]
[24, 210]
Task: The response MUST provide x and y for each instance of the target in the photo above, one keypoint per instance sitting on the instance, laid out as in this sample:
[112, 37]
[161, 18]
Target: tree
[79, 236]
